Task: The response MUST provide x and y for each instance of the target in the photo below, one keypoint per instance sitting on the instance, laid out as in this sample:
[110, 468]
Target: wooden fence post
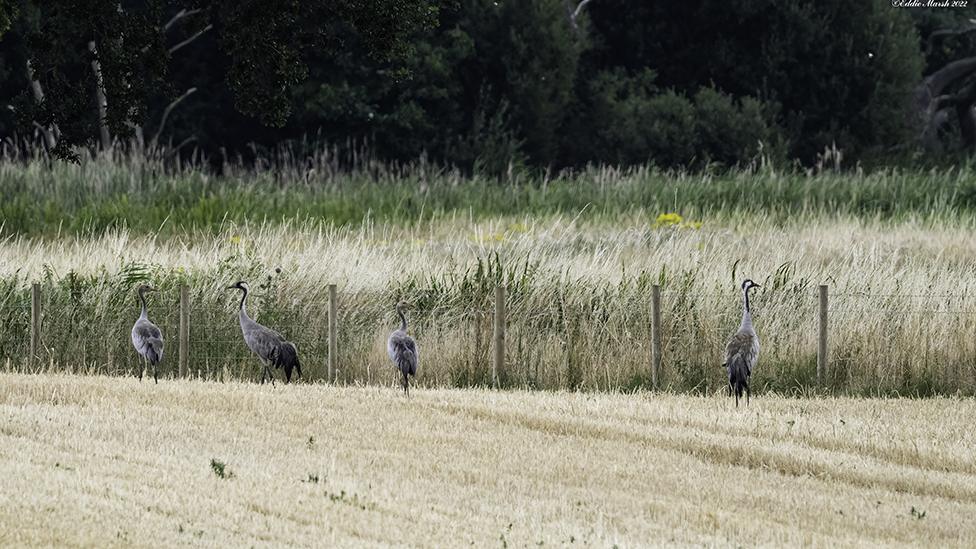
[655, 334]
[822, 349]
[183, 368]
[477, 341]
[333, 331]
[498, 364]
[35, 339]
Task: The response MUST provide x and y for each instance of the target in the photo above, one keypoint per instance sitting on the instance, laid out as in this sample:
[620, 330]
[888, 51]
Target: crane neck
[142, 299]
[242, 306]
[746, 312]
[403, 319]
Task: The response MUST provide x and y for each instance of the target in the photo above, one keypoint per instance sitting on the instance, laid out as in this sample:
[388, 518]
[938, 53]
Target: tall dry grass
[902, 316]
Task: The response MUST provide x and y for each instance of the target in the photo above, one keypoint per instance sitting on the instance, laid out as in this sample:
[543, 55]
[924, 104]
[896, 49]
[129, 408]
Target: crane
[267, 344]
[742, 351]
[403, 350]
[147, 338]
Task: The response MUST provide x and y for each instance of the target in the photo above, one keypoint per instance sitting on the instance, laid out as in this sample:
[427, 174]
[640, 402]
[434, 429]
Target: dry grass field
[97, 461]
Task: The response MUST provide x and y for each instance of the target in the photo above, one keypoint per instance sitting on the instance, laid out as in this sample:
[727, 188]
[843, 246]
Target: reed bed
[902, 317]
[150, 193]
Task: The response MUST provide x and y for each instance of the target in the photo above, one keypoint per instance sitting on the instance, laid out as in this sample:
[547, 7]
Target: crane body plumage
[270, 346]
[742, 351]
[147, 337]
[402, 350]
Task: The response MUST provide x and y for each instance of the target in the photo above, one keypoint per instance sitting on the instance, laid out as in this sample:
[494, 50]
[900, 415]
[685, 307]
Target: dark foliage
[488, 85]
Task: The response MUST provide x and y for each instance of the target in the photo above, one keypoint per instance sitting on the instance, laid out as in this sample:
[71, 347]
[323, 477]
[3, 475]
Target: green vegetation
[37, 198]
[579, 254]
[220, 469]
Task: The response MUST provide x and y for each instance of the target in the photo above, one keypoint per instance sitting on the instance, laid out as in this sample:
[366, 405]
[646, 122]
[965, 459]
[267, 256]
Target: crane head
[239, 285]
[748, 283]
[145, 288]
[402, 305]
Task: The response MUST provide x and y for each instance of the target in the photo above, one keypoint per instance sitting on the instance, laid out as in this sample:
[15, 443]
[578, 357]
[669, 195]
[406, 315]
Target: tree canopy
[482, 84]
[124, 51]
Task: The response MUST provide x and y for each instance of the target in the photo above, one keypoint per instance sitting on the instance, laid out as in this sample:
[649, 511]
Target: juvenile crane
[147, 338]
[268, 344]
[742, 352]
[403, 350]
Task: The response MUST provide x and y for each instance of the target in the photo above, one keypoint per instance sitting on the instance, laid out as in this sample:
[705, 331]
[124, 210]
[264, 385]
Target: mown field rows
[97, 461]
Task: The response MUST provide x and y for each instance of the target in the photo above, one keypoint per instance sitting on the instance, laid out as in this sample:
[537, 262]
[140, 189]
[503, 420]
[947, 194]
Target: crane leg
[142, 368]
[156, 373]
[267, 372]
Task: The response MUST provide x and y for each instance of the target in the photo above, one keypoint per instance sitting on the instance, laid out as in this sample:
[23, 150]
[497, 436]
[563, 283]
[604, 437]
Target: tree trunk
[50, 132]
[934, 106]
[967, 126]
[106, 137]
[963, 101]
[931, 100]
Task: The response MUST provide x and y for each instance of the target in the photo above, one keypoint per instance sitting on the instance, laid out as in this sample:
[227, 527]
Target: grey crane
[268, 344]
[147, 338]
[742, 351]
[403, 350]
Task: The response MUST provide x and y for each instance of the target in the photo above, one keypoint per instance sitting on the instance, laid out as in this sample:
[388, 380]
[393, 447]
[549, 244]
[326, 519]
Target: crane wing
[148, 340]
[742, 346]
[262, 341]
[146, 329]
[403, 352]
[410, 348]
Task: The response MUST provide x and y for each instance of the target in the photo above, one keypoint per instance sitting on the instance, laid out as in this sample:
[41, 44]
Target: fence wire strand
[561, 343]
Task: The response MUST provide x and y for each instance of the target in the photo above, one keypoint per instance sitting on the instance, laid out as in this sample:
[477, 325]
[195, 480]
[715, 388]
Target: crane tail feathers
[407, 363]
[152, 354]
[738, 377]
[287, 357]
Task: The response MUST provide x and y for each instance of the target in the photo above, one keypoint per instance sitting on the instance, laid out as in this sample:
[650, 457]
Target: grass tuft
[220, 469]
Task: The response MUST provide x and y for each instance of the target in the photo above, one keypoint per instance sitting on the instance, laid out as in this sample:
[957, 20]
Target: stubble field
[99, 461]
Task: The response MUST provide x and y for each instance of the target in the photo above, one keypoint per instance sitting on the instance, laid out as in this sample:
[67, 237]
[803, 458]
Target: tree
[488, 87]
[945, 99]
[118, 49]
[8, 11]
[524, 64]
[404, 104]
[630, 120]
[841, 72]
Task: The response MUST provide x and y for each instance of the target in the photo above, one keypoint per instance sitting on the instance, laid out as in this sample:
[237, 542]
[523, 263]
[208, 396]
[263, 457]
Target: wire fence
[892, 343]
